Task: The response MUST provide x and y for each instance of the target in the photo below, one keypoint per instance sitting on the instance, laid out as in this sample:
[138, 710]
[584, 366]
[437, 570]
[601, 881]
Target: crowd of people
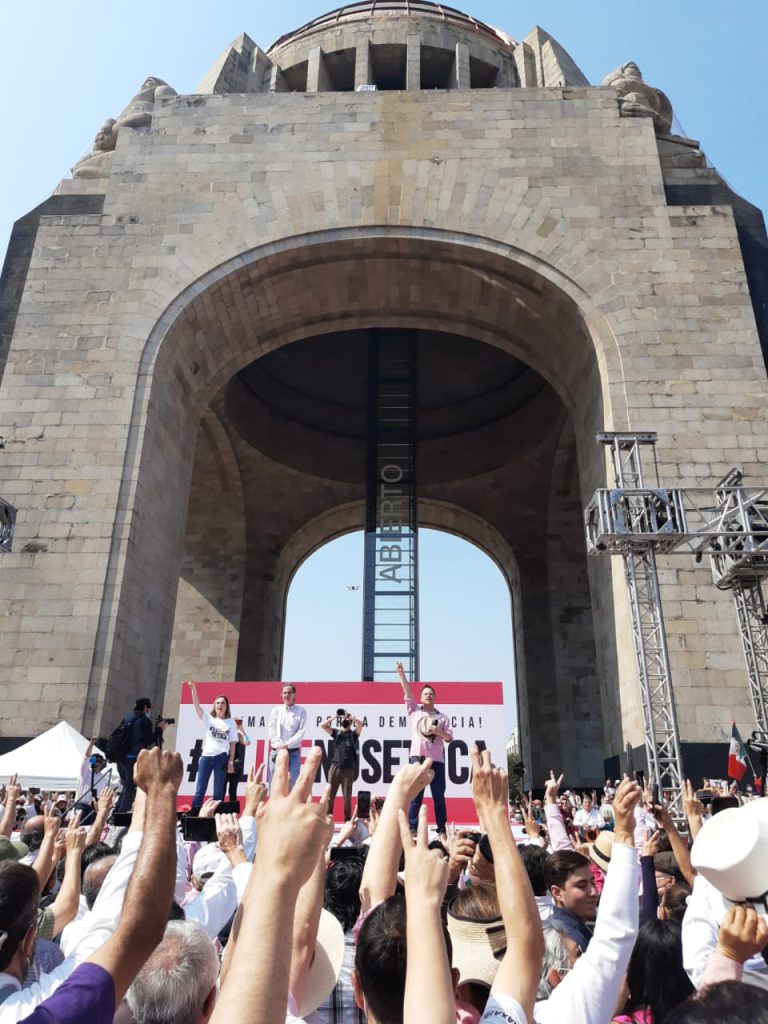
[572, 907]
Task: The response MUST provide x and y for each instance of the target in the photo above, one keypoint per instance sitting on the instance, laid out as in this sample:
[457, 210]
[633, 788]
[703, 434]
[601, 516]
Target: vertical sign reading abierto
[475, 710]
[390, 591]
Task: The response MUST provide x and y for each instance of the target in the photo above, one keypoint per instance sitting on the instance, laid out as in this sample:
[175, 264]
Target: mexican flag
[737, 755]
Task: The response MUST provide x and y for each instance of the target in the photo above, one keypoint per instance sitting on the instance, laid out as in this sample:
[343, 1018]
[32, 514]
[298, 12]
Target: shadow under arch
[297, 288]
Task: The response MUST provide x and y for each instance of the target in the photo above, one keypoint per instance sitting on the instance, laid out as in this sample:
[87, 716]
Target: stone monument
[181, 351]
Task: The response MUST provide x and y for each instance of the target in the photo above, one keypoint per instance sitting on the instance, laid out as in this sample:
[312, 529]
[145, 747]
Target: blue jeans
[207, 765]
[294, 764]
[125, 768]
[437, 789]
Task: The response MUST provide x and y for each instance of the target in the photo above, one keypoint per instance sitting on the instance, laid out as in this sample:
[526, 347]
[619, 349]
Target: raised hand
[292, 827]
[692, 806]
[255, 790]
[104, 802]
[552, 787]
[628, 796]
[60, 845]
[74, 837]
[373, 819]
[651, 843]
[209, 808]
[414, 777]
[349, 828]
[13, 791]
[461, 850]
[158, 770]
[490, 789]
[51, 823]
[532, 827]
[228, 832]
[743, 934]
[426, 871]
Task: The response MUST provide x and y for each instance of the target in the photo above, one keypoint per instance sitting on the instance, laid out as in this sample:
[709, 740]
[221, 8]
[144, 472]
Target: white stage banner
[476, 711]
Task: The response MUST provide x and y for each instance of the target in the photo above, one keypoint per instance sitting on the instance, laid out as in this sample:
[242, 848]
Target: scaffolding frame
[390, 582]
[728, 524]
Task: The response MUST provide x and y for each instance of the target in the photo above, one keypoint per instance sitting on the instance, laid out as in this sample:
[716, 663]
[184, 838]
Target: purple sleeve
[410, 705]
[88, 994]
[649, 902]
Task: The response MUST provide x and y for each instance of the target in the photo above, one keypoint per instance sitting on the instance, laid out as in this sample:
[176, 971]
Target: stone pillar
[363, 75]
[317, 74]
[208, 604]
[526, 65]
[460, 73]
[276, 80]
[413, 61]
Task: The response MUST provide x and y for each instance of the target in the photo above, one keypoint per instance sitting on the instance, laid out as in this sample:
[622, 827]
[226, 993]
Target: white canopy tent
[49, 761]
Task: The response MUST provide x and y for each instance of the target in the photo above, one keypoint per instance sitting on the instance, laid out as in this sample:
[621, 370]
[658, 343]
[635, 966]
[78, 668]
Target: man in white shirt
[95, 776]
[588, 815]
[287, 723]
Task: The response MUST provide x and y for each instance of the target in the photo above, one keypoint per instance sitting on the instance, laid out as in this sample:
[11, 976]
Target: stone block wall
[534, 219]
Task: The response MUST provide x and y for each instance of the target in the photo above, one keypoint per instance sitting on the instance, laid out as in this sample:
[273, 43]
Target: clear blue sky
[64, 68]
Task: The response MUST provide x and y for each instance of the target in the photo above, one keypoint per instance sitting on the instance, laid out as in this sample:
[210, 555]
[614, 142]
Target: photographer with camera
[346, 757]
[160, 724]
[430, 731]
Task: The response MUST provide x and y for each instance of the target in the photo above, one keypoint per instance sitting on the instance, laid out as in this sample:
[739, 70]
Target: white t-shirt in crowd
[503, 1009]
[219, 733]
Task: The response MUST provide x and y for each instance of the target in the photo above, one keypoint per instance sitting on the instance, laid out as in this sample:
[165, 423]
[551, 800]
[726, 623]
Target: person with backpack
[134, 734]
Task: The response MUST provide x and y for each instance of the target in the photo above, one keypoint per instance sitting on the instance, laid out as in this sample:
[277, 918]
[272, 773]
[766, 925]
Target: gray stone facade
[484, 192]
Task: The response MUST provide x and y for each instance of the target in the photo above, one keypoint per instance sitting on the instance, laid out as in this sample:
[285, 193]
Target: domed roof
[395, 8]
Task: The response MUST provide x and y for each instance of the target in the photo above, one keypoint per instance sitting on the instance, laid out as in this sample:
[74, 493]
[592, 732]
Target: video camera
[166, 721]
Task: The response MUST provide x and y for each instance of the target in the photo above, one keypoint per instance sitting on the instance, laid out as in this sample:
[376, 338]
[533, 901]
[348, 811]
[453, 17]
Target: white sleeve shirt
[93, 931]
[286, 726]
[588, 993]
[218, 901]
[700, 934]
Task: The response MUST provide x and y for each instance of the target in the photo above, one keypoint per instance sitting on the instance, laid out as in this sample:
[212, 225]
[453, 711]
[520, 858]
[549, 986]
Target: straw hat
[600, 851]
[326, 966]
[478, 947]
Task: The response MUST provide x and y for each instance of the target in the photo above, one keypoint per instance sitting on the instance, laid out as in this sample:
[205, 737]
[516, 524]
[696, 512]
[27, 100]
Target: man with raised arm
[513, 992]
[95, 987]
[430, 731]
[292, 831]
[585, 989]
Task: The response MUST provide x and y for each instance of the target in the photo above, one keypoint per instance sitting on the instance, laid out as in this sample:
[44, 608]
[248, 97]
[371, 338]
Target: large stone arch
[271, 297]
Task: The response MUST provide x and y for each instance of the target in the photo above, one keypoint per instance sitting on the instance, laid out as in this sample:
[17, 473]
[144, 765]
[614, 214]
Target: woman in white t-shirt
[218, 753]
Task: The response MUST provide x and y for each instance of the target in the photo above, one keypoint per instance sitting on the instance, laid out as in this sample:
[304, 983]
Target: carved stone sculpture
[637, 99]
[98, 161]
[137, 115]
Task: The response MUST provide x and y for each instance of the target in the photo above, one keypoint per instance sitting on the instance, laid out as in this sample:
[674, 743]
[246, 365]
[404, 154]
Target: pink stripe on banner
[340, 694]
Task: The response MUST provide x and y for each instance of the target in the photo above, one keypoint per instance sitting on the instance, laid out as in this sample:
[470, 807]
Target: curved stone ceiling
[304, 406]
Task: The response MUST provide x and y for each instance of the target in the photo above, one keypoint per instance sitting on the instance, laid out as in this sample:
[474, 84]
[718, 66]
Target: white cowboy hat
[731, 853]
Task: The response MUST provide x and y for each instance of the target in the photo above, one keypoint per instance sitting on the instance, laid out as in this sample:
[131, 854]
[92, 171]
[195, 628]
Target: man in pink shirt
[430, 731]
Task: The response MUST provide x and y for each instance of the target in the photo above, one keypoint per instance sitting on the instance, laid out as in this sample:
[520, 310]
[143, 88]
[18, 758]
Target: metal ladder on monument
[729, 524]
[390, 583]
